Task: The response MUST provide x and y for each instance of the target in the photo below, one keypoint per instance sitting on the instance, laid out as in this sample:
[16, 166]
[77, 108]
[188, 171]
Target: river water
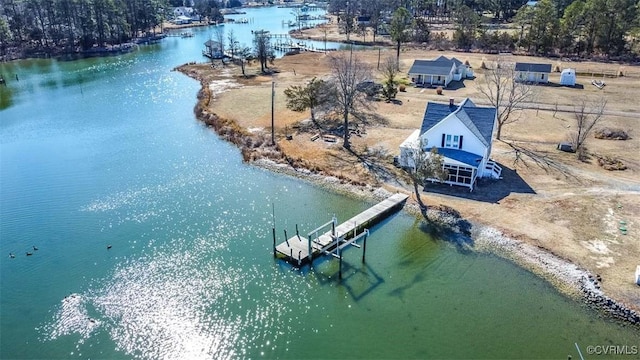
[107, 151]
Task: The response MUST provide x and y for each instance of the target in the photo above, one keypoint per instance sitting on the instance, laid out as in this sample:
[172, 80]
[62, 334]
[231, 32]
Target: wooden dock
[290, 46]
[300, 249]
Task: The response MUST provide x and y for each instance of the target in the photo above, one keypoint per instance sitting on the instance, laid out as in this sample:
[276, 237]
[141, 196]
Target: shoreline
[567, 277]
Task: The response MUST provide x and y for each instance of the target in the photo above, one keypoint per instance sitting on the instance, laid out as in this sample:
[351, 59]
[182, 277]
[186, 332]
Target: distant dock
[330, 238]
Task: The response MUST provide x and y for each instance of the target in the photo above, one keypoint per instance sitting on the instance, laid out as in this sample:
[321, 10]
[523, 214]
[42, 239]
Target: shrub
[402, 88]
[389, 91]
[611, 164]
[611, 134]
[439, 90]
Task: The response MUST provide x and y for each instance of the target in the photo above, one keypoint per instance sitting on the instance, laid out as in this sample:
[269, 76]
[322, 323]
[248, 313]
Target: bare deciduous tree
[244, 53]
[325, 32]
[218, 36]
[297, 13]
[427, 165]
[588, 113]
[232, 40]
[262, 48]
[500, 86]
[348, 72]
[346, 20]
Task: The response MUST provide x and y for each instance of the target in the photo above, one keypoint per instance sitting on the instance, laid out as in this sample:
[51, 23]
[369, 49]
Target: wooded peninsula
[32, 28]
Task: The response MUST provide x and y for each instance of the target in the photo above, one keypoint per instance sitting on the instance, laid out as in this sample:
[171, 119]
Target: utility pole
[273, 99]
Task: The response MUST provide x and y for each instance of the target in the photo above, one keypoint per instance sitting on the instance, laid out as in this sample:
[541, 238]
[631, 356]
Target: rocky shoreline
[568, 278]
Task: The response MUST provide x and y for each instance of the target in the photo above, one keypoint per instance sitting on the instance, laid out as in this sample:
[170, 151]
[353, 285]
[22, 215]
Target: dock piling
[333, 227]
[364, 247]
[274, 241]
[286, 238]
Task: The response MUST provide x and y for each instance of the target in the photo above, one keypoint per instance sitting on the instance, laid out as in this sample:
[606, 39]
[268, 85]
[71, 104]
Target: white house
[183, 11]
[462, 134]
[440, 71]
[534, 73]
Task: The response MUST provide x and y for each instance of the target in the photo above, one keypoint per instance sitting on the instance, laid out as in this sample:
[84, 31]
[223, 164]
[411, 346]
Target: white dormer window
[452, 141]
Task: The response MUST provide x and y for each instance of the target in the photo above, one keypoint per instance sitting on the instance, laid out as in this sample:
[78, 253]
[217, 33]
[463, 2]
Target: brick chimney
[451, 102]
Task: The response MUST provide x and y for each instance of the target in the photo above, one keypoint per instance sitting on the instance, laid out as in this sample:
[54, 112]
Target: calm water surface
[107, 152]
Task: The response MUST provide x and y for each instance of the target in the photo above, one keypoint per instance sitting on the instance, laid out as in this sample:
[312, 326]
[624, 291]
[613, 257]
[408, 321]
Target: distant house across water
[183, 11]
[184, 15]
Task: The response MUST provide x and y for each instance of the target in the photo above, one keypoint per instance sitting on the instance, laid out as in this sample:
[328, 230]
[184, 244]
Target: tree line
[582, 28]
[57, 26]
[564, 27]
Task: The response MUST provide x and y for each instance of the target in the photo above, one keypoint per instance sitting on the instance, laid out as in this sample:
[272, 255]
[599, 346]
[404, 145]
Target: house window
[452, 141]
[542, 76]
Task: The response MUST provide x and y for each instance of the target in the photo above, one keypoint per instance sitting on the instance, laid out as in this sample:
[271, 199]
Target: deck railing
[496, 170]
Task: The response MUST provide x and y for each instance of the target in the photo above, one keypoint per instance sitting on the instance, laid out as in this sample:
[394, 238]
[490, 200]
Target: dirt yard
[573, 209]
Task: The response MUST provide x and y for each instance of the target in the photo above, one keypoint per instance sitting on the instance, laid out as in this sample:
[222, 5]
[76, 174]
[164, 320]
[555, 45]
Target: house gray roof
[479, 120]
[532, 67]
[444, 58]
[439, 66]
[431, 67]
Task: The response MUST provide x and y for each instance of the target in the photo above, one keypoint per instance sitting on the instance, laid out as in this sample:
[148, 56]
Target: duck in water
[29, 253]
[11, 255]
[35, 248]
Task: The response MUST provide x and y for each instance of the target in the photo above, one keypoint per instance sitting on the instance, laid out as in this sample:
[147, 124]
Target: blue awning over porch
[467, 158]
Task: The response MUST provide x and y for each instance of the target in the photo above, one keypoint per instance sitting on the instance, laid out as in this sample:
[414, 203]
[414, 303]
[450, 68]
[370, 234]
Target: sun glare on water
[180, 305]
